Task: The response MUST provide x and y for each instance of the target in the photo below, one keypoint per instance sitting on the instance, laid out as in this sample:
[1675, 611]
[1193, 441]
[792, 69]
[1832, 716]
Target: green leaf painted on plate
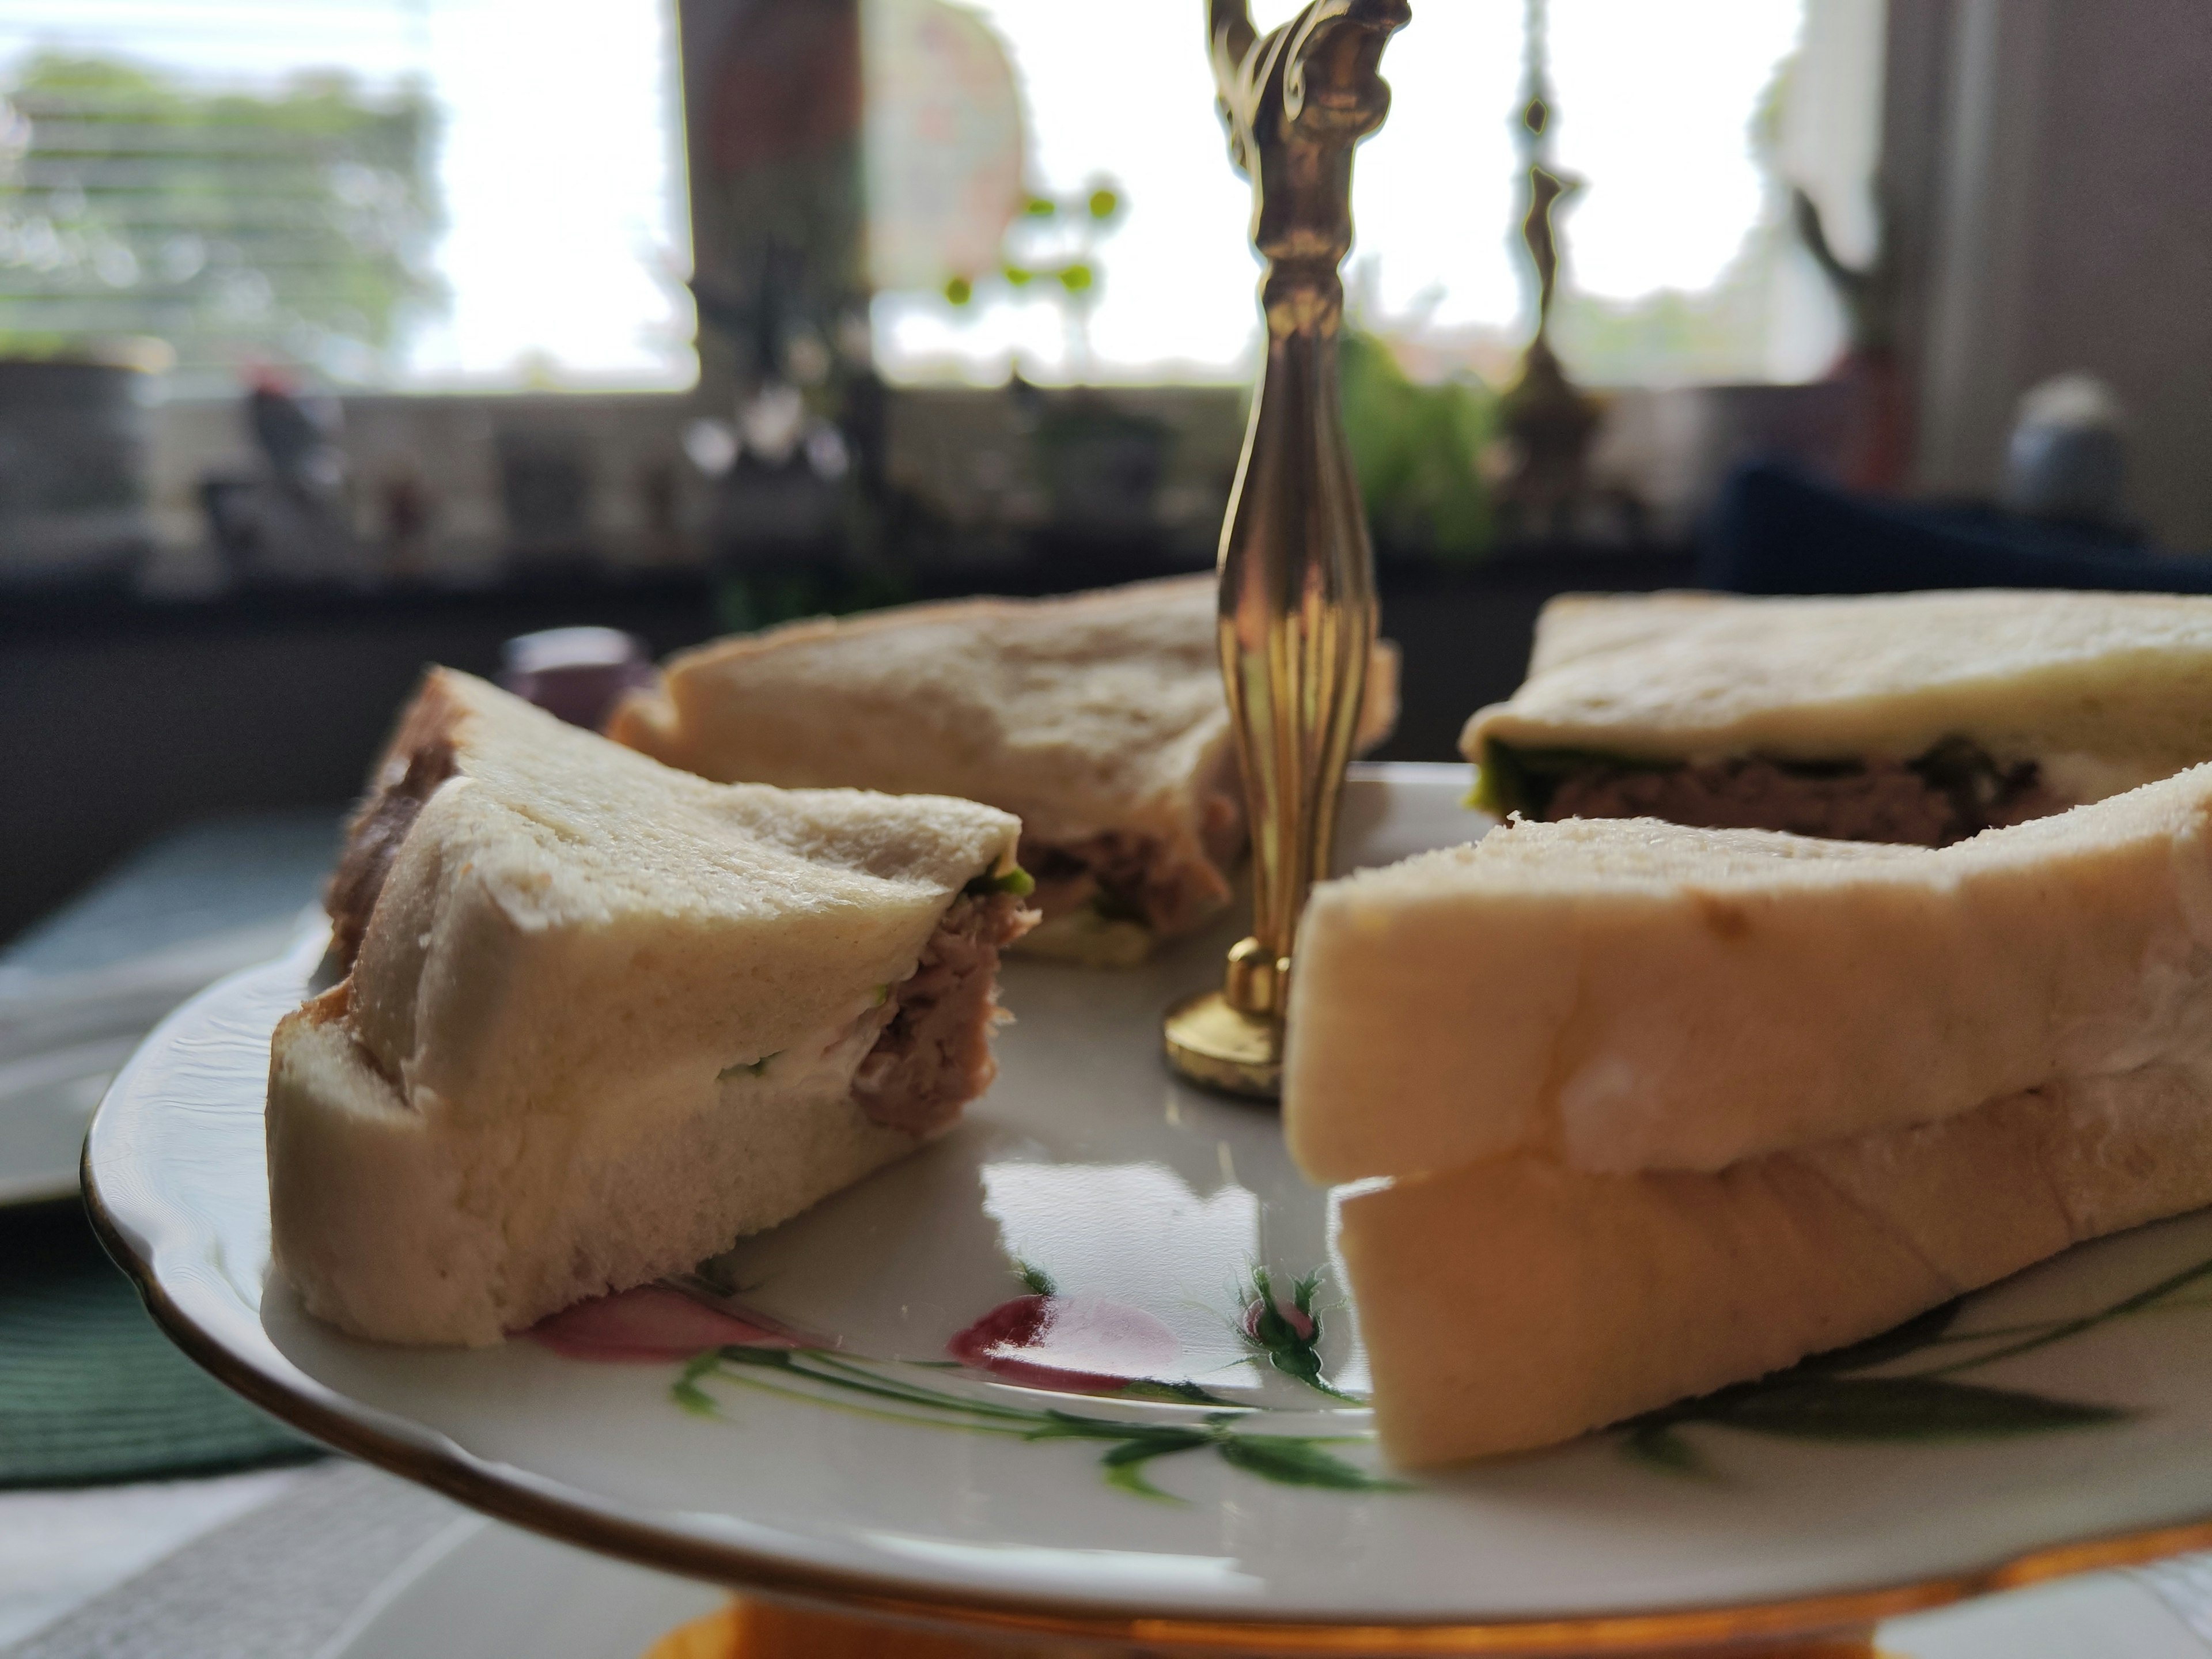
[1914, 1334]
[686, 1389]
[1658, 1445]
[775, 1359]
[1187, 1394]
[1130, 1477]
[1126, 1464]
[1040, 1282]
[1070, 1425]
[2067, 1329]
[1161, 1444]
[1816, 1408]
[1293, 1461]
[1817, 1400]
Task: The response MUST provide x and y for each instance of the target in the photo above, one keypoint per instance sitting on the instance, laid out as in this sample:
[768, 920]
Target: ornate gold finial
[1548, 423]
[1298, 578]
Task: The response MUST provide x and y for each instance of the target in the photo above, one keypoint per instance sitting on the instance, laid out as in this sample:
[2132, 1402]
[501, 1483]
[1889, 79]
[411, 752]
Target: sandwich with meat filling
[600, 1017]
[1097, 718]
[1920, 718]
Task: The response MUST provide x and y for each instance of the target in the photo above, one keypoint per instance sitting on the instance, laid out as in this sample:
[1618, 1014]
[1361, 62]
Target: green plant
[1416, 449]
[1052, 248]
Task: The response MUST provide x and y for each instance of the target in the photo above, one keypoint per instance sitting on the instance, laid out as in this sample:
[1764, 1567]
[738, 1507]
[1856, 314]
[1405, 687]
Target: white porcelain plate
[1031, 1376]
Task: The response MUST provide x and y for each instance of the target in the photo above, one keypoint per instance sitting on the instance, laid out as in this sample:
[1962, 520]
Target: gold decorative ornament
[1297, 575]
[1548, 423]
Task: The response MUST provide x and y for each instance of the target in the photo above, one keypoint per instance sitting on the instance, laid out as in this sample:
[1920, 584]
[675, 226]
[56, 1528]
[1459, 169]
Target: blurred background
[341, 335]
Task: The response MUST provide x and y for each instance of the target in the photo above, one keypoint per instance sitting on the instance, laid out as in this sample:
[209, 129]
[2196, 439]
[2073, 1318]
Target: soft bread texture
[603, 1018]
[2105, 691]
[1519, 1302]
[1099, 714]
[1627, 994]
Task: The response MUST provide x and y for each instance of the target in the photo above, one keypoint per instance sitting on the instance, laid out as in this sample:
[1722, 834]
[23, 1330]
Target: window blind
[245, 181]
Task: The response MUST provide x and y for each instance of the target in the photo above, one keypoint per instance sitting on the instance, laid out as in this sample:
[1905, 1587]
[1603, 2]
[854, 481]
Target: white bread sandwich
[603, 1017]
[1630, 994]
[1098, 719]
[1897, 717]
[1518, 1302]
[1664, 1108]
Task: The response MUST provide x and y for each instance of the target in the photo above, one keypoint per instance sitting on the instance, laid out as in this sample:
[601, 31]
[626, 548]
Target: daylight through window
[1681, 265]
[404, 194]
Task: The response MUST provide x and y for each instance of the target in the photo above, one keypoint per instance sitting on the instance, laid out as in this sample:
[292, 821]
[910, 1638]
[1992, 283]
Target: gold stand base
[1220, 1047]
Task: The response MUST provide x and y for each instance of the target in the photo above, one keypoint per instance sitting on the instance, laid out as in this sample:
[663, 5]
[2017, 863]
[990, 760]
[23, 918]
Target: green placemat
[90, 1390]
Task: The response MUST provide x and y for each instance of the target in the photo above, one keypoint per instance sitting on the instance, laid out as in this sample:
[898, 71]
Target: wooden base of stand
[760, 1630]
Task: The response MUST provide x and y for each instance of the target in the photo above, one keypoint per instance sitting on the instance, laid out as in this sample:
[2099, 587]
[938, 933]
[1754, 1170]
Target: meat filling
[935, 1054]
[1954, 791]
[1125, 878]
[373, 839]
[1128, 876]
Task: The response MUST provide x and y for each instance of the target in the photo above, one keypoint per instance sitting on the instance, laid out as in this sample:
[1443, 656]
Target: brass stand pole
[1297, 575]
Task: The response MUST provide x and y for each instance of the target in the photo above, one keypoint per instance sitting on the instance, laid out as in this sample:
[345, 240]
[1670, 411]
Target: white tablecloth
[278, 1565]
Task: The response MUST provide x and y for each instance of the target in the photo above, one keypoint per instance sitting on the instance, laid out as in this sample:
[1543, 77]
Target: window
[399, 194]
[1681, 265]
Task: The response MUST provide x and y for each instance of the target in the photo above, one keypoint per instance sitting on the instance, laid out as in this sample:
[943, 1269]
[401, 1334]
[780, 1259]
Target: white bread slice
[1097, 718]
[1517, 1302]
[605, 1016]
[2104, 691]
[1630, 994]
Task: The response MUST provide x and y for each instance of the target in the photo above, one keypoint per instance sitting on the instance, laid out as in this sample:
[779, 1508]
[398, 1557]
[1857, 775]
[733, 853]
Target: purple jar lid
[578, 673]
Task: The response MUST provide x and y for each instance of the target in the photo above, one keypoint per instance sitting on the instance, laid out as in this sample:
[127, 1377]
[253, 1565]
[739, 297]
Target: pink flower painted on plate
[652, 1323]
[1296, 1320]
[1073, 1344]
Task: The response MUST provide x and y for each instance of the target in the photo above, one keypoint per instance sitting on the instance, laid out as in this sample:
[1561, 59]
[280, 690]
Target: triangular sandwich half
[1892, 717]
[1097, 718]
[604, 1017]
[1635, 995]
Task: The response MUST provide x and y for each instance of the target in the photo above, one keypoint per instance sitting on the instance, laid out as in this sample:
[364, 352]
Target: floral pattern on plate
[1042, 1341]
